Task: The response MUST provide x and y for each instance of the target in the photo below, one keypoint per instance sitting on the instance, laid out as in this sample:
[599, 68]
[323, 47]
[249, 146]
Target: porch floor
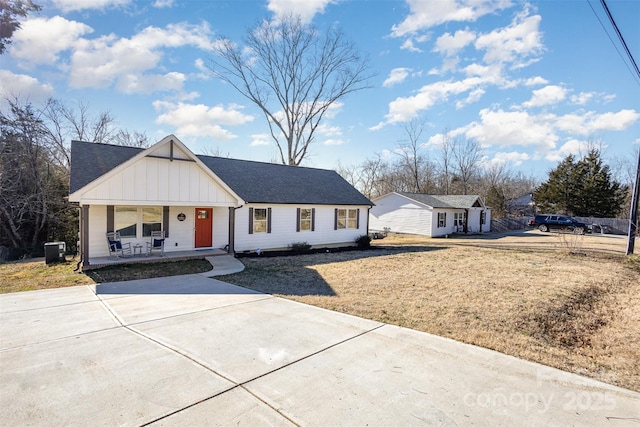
[97, 262]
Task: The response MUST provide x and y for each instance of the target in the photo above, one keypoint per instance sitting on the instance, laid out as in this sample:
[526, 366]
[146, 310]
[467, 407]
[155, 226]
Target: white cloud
[474, 96]
[306, 9]
[149, 83]
[408, 45]
[514, 157]
[508, 128]
[22, 86]
[72, 5]
[449, 44]
[161, 4]
[260, 140]
[582, 98]
[396, 76]
[426, 14]
[333, 141]
[201, 120]
[405, 109]
[551, 94]
[40, 40]
[535, 81]
[514, 43]
[572, 146]
[101, 62]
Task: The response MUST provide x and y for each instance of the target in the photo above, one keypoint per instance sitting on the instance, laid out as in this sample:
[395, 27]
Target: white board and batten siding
[401, 215]
[283, 228]
[153, 181]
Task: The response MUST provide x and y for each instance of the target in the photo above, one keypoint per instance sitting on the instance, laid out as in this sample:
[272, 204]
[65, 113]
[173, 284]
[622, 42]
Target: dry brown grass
[531, 295]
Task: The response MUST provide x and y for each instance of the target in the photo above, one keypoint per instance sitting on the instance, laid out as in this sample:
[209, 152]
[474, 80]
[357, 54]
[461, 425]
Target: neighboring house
[208, 202]
[429, 215]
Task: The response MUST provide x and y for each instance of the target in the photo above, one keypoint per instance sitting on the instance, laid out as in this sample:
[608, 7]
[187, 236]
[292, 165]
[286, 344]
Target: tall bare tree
[294, 74]
[413, 163]
[467, 157]
[445, 160]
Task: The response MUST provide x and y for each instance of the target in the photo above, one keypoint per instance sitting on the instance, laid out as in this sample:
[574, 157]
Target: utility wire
[637, 71]
[606, 8]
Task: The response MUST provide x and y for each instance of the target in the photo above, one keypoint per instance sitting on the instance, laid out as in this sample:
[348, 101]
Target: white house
[207, 202]
[429, 215]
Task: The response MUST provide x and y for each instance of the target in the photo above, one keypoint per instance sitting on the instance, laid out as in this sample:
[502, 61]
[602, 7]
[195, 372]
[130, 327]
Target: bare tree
[445, 159]
[294, 75]
[467, 156]
[414, 164]
[131, 139]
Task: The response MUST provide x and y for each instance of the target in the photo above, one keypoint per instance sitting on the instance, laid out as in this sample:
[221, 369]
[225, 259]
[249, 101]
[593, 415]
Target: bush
[363, 241]
[300, 247]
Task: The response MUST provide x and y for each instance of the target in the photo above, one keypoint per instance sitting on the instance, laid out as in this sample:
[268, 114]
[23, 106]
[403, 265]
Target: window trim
[111, 219]
[337, 217]
[252, 212]
[299, 220]
[442, 222]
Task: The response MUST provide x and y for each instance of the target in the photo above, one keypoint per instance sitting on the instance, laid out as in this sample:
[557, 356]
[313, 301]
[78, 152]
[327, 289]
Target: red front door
[204, 227]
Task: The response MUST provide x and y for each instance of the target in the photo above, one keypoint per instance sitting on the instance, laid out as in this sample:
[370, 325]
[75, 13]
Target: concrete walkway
[189, 350]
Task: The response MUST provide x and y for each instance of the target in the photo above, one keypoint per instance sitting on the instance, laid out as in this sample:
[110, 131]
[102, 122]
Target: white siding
[97, 229]
[283, 228]
[401, 215]
[181, 233]
[153, 181]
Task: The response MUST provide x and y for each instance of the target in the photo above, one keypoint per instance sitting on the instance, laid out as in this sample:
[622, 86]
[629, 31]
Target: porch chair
[117, 248]
[156, 243]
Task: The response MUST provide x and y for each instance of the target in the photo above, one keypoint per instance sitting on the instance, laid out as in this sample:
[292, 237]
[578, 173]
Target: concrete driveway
[191, 350]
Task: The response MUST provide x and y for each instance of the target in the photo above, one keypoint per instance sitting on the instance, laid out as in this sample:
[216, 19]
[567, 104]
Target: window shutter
[165, 220]
[268, 220]
[357, 218]
[335, 219]
[250, 220]
[313, 219]
[110, 220]
[298, 219]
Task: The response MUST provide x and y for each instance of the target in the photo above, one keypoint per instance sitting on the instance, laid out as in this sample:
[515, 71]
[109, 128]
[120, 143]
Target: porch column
[232, 227]
[84, 234]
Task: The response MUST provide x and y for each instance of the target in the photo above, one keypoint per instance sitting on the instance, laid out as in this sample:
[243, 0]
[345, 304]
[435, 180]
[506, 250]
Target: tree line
[580, 185]
[34, 170]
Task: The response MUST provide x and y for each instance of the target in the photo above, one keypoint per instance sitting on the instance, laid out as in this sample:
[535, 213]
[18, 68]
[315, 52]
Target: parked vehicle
[548, 222]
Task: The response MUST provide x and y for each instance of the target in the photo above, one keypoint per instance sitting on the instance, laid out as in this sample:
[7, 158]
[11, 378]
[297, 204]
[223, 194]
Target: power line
[624, 44]
[606, 8]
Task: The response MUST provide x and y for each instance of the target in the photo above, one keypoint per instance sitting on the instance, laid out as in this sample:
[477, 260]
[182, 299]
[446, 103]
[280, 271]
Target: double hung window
[346, 218]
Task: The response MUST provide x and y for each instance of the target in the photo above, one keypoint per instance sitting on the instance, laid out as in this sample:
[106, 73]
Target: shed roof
[255, 182]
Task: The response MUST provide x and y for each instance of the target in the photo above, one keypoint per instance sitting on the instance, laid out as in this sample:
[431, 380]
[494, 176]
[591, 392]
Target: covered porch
[105, 261]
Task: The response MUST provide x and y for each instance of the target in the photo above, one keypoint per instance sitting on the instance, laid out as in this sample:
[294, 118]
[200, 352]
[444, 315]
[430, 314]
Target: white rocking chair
[156, 243]
[118, 249]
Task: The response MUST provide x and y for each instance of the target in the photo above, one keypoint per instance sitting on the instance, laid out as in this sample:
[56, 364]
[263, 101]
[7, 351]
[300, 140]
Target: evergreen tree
[581, 188]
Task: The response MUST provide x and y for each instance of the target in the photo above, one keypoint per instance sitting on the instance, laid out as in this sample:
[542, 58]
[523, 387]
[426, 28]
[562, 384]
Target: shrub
[363, 241]
[300, 247]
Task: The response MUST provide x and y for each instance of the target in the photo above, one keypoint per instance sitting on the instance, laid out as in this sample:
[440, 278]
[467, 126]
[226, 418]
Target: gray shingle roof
[450, 201]
[255, 182]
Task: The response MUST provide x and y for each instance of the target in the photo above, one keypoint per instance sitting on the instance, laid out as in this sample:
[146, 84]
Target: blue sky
[531, 81]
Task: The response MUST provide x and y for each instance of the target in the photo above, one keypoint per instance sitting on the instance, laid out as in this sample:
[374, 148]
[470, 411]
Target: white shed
[429, 215]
